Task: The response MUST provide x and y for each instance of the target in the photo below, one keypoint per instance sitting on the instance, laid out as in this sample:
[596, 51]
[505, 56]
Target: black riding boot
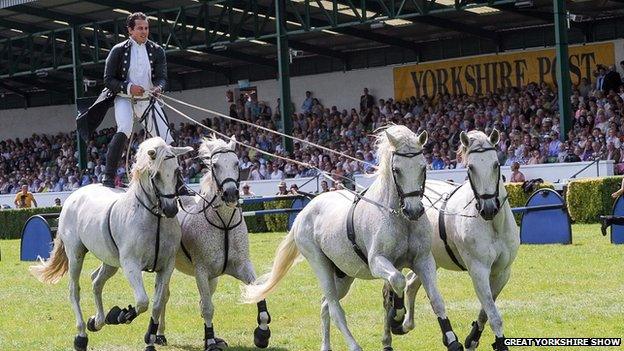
[113, 156]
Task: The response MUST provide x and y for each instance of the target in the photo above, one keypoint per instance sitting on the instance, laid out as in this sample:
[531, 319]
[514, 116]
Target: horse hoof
[112, 317]
[499, 344]
[161, 340]
[455, 346]
[261, 337]
[80, 343]
[395, 326]
[388, 348]
[150, 348]
[221, 344]
[91, 324]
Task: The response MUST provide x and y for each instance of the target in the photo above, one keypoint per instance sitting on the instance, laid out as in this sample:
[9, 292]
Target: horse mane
[207, 147]
[478, 139]
[403, 135]
[144, 164]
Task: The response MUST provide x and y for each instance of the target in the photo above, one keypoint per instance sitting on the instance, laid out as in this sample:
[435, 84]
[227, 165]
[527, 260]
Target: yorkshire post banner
[484, 74]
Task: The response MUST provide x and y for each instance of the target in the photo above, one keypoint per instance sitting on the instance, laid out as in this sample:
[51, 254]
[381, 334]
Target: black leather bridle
[221, 184]
[156, 209]
[485, 196]
[416, 193]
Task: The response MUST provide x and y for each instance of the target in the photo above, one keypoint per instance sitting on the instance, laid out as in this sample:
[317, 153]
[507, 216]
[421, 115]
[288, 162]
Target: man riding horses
[134, 68]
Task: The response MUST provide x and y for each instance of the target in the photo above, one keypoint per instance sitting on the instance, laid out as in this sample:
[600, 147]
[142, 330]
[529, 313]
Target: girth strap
[351, 228]
[442, 230]
[108, 219]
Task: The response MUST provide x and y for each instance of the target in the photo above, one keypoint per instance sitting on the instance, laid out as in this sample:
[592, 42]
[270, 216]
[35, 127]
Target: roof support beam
[133, 7]
[44, 13]
[26, 28]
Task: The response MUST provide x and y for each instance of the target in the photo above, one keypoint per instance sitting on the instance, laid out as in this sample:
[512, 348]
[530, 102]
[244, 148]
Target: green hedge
[255, 224]
[588, 198]
[277, 222]
[12, 221]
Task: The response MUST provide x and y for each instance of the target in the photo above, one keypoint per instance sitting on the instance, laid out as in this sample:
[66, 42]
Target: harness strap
[108, 219]
[442, 230]
[186, 253]
[157, 248]
[351, 229]
[226, 231]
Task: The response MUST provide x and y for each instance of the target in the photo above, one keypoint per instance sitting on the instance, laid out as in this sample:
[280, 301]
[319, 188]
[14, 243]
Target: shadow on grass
[230, 348]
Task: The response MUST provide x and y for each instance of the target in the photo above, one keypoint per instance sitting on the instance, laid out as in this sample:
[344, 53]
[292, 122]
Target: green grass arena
[555, 291]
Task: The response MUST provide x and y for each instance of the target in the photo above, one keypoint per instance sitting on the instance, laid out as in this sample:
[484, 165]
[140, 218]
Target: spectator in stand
[367, 101]
[24, 199]
[246, 191]
[324, 186]
[282, 191]
[306, 106]
[294, 189]
[516, 175]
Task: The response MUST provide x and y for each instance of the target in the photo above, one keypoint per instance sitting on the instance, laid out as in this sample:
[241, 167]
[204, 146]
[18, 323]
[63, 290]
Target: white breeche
[155, 123]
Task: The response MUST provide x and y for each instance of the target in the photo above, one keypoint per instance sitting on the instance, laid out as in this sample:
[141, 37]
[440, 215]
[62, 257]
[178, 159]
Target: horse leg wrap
[499, 344]
[261, 337]
[161, 340]
[449, 338]
[472, 340]
[91, 324]
[113, 315]
[80, 343]
[127, 315]
[262, 307]
[151, 331]
[396, 326]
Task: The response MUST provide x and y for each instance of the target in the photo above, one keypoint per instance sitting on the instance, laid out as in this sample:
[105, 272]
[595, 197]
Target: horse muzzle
[230, 196]
[169, 207]
[413, 214]
[488, 209]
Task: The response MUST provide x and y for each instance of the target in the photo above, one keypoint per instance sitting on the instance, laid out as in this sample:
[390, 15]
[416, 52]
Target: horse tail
[285, 256]
[52, 270]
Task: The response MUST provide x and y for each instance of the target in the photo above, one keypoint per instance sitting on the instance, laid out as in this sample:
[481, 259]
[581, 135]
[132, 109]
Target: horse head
[481, 159]
[157, 169]
[401, 153]
[223, 177]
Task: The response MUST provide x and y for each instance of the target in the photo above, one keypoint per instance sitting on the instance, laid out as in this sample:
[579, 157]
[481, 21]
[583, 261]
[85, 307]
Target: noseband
[474, 190]
[221, 184]
[402, 194]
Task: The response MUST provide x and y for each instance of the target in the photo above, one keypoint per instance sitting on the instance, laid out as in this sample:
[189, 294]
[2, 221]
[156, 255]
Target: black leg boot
[113, 156]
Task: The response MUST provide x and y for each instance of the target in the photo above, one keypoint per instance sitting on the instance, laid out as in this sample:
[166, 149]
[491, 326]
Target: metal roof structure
[218, 42]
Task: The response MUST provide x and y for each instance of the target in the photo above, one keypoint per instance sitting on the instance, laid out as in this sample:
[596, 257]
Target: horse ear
[152, 153]
[393, 141]
[232, 143]
[423, 137]
[464, 139]
[494, 137]
[181, 150]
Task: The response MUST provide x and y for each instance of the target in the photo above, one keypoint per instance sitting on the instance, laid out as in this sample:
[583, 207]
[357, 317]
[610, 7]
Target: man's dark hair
[130, 21]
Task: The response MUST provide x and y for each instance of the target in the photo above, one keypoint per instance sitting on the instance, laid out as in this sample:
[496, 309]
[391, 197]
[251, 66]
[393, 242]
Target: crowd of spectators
[527, 118]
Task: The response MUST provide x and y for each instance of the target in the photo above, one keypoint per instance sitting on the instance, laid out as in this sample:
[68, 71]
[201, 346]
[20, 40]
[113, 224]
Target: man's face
[140, 32]
[24, 189]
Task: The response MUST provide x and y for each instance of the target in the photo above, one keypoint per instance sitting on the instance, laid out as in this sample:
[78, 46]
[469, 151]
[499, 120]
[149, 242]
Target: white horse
[483, 238]
[215, 239]
[134, 229]
[373, 238]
